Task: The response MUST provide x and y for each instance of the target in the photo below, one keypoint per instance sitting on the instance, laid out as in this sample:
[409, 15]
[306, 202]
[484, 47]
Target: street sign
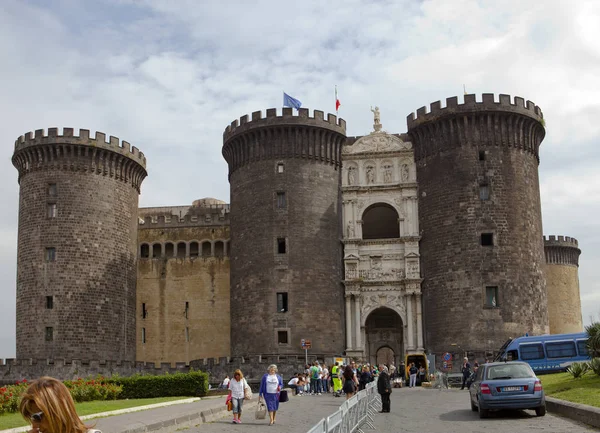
[446, 365]
[305, 343]
[447, 357]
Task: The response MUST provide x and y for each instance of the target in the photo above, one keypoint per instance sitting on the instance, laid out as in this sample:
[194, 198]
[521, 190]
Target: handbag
[261, 410]
[283, 396]
[247, 391]
[229, 403]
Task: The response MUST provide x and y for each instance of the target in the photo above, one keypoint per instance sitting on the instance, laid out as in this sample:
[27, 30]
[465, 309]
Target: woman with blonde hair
[48, 406]
[270, 386]
[237, 388]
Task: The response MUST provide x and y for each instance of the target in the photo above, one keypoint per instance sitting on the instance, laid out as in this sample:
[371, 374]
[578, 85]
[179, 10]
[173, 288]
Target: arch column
[409, 319]
[419, 323]
[348, 322]
[357, 322]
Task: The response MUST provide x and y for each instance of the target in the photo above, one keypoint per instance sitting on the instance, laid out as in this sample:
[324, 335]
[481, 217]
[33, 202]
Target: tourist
[402, 371]
[392, 371]
[350, 382]
[325, 379]
[294, 383]
[365, 378]
[384, 388]
[412, 371]
[225, 384]
[422, 375]
[270, 385]
[315, 379]
[236, 391]
[47, 404]
[466, 371]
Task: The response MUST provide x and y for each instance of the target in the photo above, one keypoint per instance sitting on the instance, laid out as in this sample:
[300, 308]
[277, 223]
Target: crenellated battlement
[287, 117]
[561, 250]
[470, 104]
[184, 216]
[287, 136]
[67, 137]
[489, 123]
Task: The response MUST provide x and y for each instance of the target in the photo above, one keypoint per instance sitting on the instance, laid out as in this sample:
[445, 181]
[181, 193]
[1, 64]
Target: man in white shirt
[225, 383]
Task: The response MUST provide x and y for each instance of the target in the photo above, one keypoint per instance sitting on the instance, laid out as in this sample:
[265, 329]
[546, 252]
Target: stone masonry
[480, 215]
[76, 265]
[562, 284]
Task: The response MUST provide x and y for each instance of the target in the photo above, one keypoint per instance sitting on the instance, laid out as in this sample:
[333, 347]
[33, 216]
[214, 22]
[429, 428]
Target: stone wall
[183, 302]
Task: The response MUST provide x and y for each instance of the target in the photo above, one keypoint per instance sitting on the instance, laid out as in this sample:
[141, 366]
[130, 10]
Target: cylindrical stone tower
[286, 254]
[562, 284]
[76, 261]
[481, 249]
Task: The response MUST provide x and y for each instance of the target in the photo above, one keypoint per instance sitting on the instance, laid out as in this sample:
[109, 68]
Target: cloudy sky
[168, 76]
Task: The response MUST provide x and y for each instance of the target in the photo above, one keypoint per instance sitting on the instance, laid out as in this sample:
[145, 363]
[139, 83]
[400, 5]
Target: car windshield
[509, 371]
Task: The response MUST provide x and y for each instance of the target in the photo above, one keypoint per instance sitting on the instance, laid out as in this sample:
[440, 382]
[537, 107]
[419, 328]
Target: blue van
[546, 353]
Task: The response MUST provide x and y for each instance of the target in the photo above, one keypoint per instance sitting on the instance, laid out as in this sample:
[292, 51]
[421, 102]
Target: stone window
[143, 335]
[50, 254]
[169, 249]
[380, 221]
[181, 250]
[144, 311]
[281, 201]
[491, 296]
[156, 251]
[219, 249]
[49, 302]
[281, 246]
[282, 337]
[194, 249]
[144, 251]
[482, 155]
[52, 190]
[186, 312]
[49, 333]
[280, 167]
[52, 210]
[484, 191]
[282, 302]
[487, 239]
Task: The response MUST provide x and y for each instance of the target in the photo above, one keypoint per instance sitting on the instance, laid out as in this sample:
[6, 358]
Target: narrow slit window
[49, 302]
[282, 337]
[282, 302]
[487, 239]
[482, 155]
[187, 309]
[50, 254]
[52, 190]
[49, 333]
[281, 246]
[52, 210]
[484, 192]
[187, 334]
[280, 167]
[491, 296]
[143, 335]
[281, 202]
[144, 310]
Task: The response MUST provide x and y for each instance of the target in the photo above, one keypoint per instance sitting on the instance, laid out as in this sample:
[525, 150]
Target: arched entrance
[383, 329]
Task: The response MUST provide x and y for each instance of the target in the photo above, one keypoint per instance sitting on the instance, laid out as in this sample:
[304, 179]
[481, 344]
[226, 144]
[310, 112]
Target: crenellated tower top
[561, 250]
[517, 124]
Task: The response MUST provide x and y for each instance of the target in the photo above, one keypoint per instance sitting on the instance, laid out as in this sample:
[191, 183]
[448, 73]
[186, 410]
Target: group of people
[468, 373]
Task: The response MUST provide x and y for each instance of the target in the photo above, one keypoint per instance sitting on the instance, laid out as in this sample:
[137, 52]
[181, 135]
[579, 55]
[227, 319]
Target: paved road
[448, 411]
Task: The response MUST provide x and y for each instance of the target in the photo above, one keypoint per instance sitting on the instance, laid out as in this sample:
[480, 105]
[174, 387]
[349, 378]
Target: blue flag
[288, 101]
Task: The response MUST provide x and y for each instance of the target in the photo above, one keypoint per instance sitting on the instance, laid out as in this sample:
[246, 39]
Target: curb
[589, 415]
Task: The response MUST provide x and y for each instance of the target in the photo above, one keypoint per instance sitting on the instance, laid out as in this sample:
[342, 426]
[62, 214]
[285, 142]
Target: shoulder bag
[247, 391]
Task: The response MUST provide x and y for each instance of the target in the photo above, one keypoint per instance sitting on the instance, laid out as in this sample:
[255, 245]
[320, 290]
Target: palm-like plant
[593, 343]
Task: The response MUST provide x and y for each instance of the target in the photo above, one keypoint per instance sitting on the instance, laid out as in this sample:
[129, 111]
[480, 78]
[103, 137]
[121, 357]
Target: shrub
[595, 365]
[593, 343]
[578, 369]
[194, 383]
[10, 396]
[93, 389]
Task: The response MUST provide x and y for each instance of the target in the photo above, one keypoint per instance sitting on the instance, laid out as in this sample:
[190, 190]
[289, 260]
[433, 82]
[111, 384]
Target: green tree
[593, 343]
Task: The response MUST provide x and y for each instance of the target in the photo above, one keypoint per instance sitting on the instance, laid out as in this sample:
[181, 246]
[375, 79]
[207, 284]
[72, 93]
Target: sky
[169, 76]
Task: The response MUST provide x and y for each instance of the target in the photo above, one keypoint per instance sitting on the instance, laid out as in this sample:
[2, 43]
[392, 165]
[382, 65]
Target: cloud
[169, 76]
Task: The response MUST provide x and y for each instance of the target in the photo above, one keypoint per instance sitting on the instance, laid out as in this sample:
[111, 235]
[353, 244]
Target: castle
[370, 247]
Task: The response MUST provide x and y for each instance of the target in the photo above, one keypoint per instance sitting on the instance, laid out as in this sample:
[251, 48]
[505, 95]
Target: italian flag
[337, 101]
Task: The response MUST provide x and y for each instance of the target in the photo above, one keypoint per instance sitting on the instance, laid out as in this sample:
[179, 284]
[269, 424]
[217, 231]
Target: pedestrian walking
[350, 382]
[466, 371]
[47, 404]
[270, 386]
[237, 387]
[412, 371]
[384, 388]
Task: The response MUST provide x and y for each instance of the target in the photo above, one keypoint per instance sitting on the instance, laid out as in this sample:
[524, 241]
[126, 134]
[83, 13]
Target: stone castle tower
[482, 252]
[77, 245]
[562, 284]
[286, 253]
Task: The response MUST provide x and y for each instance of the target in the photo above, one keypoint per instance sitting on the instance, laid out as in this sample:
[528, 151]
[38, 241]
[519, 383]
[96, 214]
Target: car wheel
[483, 413]
[540, 411]
[473, 407]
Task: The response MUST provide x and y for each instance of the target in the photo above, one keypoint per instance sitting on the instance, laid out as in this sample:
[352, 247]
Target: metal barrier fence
[353, 415]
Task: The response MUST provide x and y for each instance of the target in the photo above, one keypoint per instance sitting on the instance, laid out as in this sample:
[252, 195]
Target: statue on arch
[376, 119]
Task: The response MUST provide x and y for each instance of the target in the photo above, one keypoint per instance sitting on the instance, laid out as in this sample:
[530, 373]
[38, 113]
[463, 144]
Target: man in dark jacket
[466, 371]
[384, 387]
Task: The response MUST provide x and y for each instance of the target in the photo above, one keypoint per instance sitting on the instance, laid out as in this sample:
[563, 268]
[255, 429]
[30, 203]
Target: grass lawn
[585, 390]
[13, 420]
